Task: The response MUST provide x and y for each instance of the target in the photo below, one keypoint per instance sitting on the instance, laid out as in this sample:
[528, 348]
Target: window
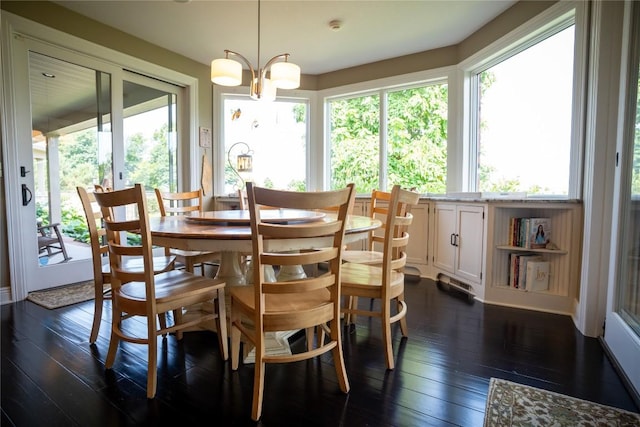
[410, 149]
[524, 118]
[274, 134]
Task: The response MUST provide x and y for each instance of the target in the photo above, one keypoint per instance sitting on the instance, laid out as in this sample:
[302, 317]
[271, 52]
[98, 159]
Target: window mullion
[383, 137]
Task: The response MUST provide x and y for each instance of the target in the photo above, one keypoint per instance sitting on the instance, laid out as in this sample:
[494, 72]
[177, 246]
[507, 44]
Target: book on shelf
[517, 275]
[537, 276]
[539, 233]
[529, 233]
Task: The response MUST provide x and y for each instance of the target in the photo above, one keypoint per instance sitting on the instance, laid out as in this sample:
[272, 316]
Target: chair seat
[160, 264]
[302, 304]
[171, 286]
[362, 257]
[363, 277]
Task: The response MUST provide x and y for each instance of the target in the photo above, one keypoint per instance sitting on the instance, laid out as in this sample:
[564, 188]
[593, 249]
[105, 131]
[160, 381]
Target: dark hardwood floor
[52, 376]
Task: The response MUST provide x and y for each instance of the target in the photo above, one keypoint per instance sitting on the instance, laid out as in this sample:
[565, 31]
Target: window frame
[381, 88]
[551, 21]
[221, 93]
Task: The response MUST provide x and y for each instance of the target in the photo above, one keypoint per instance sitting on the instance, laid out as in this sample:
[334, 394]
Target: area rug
[63, 295]
[511, 404]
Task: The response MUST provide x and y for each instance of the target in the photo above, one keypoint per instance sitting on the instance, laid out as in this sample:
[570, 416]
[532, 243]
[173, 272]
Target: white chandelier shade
[285, 75]
[226, 72]
[282, 73]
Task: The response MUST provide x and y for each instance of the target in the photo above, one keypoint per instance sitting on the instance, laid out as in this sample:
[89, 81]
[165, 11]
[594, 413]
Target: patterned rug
[511, 404]
[63, 295]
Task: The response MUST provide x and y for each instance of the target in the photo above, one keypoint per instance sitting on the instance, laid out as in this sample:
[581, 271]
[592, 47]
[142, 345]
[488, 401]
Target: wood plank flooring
[52, 376]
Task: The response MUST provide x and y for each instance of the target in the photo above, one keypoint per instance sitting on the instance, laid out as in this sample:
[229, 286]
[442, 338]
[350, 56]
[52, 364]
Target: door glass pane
[71, 136]
[150, 139]
[628, 298]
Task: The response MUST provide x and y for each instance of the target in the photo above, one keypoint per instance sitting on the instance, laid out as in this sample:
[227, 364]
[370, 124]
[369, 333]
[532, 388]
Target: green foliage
[300, 112]
[416, 140]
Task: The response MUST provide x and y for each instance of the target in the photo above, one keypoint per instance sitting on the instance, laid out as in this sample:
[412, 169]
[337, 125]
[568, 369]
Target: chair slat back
[395, 227]
[313, 235]
[134, 200]
[179, 203]
[378, 209]
[93, 215]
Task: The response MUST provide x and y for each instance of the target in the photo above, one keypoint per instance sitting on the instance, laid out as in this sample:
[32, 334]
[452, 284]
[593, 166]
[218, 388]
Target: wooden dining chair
[142, 293]
[310, 303]
[183, 203]
[100, 259]
[372, 254]
[384, 282]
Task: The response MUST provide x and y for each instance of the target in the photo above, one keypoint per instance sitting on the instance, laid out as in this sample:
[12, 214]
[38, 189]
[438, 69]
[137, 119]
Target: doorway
[80, 121]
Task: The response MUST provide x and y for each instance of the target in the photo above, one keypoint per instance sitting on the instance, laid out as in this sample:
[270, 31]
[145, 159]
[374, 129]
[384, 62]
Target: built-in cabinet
[458, 244]
[563, 256]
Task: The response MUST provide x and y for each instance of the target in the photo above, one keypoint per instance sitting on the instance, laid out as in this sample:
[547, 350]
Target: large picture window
[410, 148]
[274, 134]
[524, 118]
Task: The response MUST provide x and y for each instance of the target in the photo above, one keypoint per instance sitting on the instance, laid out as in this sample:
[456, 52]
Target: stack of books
[530, 233]
[528, 272]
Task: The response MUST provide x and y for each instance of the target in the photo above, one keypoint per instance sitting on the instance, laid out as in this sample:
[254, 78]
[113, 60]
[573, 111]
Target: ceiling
[370, 30]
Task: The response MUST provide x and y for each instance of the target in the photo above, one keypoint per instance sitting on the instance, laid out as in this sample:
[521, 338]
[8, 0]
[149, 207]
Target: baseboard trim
[5, 295]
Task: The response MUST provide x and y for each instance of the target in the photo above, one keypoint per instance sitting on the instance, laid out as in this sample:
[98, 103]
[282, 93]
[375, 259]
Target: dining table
[229, 232]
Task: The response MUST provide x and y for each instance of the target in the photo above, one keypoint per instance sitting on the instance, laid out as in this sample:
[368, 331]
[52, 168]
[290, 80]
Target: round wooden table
[229, 233]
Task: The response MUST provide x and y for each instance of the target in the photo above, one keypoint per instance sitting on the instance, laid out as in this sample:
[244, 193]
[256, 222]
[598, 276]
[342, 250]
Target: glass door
[71, 145]
[150, 124]
[622, 331]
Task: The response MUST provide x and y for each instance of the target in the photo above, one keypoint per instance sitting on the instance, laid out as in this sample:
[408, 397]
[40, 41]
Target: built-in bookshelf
[563, 255]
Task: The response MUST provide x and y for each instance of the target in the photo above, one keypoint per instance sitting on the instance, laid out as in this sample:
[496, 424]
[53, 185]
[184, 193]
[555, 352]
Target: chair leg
[308, 332]
[258, 382]
[97, 312]
[321, 336]
[338, 357]
[162, 320]
[353, 305]
[235, 340]
[403, 320]
[114, 341]
[221, 324]
[386, 334]
[152, 363]
[177, 319]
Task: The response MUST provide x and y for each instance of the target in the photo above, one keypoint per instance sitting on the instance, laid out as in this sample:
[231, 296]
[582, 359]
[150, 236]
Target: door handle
[452, 239]
[26, 195]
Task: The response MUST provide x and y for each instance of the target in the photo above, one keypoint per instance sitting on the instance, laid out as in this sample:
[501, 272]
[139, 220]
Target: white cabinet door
[444, 251]
[458, 240]
[418, 235]
[469, 242]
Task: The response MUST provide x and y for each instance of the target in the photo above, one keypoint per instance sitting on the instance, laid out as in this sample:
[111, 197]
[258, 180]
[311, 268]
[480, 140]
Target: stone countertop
[462, 198]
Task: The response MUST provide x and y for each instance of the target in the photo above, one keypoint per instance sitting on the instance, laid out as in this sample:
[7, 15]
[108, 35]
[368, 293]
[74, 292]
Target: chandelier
[283, 74]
